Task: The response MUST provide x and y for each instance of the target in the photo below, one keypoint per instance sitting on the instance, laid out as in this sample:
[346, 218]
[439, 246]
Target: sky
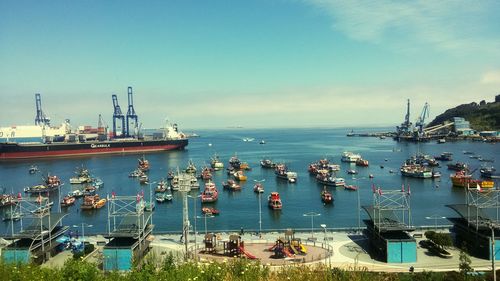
[257, 64]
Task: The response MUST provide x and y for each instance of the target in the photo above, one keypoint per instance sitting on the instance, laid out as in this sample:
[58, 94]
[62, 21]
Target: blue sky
[269, 63]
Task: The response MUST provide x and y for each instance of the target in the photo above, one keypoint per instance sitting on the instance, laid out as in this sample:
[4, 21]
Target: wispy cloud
[455, 26]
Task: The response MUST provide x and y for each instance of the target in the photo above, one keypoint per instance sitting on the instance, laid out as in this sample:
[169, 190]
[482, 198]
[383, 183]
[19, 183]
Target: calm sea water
[296, 147]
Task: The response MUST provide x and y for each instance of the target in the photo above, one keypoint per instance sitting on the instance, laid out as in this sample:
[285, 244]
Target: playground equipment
[210, 243]
[234, 247]
[288, 246]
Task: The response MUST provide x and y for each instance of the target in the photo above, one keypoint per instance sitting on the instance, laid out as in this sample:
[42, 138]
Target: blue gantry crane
[118, 115]
[420, 124]
[131, 112]
[40, 118]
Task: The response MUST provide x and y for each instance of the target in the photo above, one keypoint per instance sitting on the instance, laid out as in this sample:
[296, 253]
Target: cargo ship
[45, 141]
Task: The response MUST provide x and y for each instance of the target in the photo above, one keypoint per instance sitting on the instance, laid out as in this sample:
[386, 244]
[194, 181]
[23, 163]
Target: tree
[465, 262]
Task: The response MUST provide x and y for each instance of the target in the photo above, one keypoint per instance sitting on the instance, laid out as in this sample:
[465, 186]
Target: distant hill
[482, 116]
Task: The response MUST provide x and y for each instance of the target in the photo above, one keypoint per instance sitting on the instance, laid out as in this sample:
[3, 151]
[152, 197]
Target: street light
[151, 199]
[194, 215]
[205, 216]
[260, 206]
[324, 228]
[493, 252]
[435, 218]
[83, 230]
[359, 203]
[312, 215]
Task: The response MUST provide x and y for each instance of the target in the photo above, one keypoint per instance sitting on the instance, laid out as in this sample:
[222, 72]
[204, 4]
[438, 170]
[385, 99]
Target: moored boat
[281, 171]
[209, 211]
[350, 187]
[458, 166]
[239, 176]
[231, 185]
[274, 201]
[463, 179]
[258, 188]
[489, 172]
[350, 157]
[445, 156]
[416, 171]
[143, 164]
[216, 163]
[33, 169]
[267, 164]
[326, 196]
[68, 201]
[362, 162]
[191, 168]
[210, 193]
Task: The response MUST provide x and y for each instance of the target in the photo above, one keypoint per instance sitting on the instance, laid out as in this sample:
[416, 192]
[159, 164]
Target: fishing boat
[445, 156]
[39, 188]
[210, 193]
[144, 179]
[53, 182]
[274, 201]
[170, 175]
[231, 185]
[76, 193]
[258, 188]
[68, 201]
[136, 173]
[210, 211]
[350, 157]
[191, 168]
[235, 162]
[239, 176]
[267, 164]
[463, 179]
[206, 174]
[174, 183]
[92, 202]
[323, 177]
[458, 166]
[216, 163]
[416, 171]
[281, 171]
[8, 200]
[161, 187]
[350, 187]
[489, 172]
[82, 176]
[313, 169]
[193, 182]
[33, 170]
[96, 183]
[326, 196]
[333, 167]
[143, 164]
[160, 197]
[362, 162]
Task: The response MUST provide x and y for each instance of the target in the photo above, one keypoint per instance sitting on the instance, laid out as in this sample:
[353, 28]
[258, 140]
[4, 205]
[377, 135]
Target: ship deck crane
[40, 118]
[131, 112]
[117, 115]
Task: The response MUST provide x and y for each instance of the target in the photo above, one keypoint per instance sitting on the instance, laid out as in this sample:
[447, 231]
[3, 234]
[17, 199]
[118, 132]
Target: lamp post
[493, 254]
[312, 215]
[194, 217]
[151, 199]
[324, 228]
[205, 216]
[260, 206]
[435, 218]
[83, 230]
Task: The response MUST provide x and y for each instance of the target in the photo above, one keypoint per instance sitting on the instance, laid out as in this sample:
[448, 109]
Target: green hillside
[482, 116]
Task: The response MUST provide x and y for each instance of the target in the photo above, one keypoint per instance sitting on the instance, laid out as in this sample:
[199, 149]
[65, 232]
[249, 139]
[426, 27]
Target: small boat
[459, 166]
[326, 196]
[350, 187]
[350, 134]
[93, 202]
[82, 176]
[468, 152]
[262, 142]
[210, 193]
[436, 174]
[170, 175]
[248, 139]
[274, 201]
[324, 178]
[160, 197]
[96, 183]
[352, 172]
[416, 171]
[370, 176]
[136, 173]
[442, 140]
[193, 182]
[33, 170]
[53, 182]
[76, 193]
[161, 187]
[216, 164]
[206, 174]
[143, 179]
[489, 172]
[281, 171]
[149, 206]
[234, 162]
[191, 168]
[209, 211]
[68, 201]
[267, 164]
[231, 185]
[89, 190]
[362, 162]
[8, 200]
[445, 156]
[350, 157]
[143, 164]
[258, 188]
[382, 137]
[239, 176]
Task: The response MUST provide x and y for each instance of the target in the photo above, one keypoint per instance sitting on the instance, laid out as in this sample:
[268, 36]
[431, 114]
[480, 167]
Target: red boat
[274, 201]
[67, 201]
[209, 211]
[326, 196]
[362, 162]
[210, 194]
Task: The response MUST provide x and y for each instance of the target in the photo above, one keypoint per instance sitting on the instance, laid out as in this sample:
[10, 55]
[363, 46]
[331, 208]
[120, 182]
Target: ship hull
[12, 151]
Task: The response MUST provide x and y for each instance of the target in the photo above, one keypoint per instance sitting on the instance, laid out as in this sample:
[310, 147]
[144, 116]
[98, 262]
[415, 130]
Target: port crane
[420, 124]
[404, 128]
[131, 113]
[40, 118]
[118, 115]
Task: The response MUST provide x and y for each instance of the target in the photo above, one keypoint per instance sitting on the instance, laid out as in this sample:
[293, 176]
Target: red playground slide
[250, 256]
[287, 252]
